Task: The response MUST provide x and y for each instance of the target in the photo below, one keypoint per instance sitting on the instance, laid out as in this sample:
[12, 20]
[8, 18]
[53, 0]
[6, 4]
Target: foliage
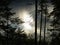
[9, 25]
[55, 23]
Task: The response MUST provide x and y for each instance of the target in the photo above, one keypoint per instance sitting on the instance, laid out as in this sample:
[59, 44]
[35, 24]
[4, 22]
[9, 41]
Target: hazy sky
[25, 10]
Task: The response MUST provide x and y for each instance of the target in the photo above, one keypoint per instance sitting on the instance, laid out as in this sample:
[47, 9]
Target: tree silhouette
[10, 34]
[10, 37]
[55, 23]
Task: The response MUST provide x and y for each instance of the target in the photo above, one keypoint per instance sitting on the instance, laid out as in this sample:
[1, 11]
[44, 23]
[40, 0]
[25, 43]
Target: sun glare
[27, 26]
[28, 20]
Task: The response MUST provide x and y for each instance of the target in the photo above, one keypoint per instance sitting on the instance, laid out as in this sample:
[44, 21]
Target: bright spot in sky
[26, 17]
[28, 20]
[27, 26]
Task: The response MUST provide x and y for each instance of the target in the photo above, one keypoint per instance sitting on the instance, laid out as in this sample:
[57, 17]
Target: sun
[26, 17]
[27, 26]
[28, 20]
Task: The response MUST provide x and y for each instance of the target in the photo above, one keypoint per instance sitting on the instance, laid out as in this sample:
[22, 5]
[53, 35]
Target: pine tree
[9, 37]
[55, 23]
